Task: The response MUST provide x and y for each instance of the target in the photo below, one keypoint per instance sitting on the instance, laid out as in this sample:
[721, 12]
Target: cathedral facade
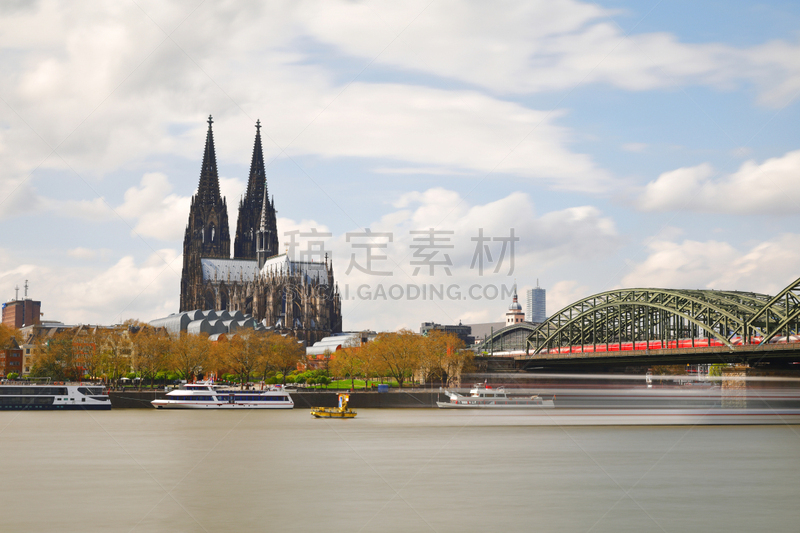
[286, 296]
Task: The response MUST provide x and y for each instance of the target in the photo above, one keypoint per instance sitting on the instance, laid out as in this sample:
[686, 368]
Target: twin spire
[256, 228]
[208, 190]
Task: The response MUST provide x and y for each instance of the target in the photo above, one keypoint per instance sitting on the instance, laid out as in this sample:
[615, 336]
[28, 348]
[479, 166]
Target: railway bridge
[659, 327]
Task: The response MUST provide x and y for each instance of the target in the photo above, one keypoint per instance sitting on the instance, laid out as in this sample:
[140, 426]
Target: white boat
[18, 395]
[209, 396]
[482, 396]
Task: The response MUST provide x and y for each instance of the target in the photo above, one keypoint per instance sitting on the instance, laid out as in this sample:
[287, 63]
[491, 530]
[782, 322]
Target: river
[403, 470]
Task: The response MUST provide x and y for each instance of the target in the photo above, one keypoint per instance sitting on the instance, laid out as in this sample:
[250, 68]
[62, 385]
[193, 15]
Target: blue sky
[649, 144]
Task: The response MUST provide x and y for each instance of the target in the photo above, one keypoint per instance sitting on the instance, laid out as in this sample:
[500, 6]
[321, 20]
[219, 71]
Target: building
[88, 343]
[18, 313]
[321, 353]
[11, 358]
[285, 295]
[484, 330]
[461, 331]
[536, 310]
[210, 322]
[514, 315]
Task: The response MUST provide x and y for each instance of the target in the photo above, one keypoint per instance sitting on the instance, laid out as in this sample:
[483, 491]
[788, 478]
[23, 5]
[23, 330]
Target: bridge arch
[633, 315]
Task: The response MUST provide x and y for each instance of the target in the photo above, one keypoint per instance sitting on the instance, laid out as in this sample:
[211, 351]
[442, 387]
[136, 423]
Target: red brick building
[11, 358]
[18, 313]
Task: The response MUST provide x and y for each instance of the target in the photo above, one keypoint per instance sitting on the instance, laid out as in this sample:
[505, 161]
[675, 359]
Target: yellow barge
[335, 412]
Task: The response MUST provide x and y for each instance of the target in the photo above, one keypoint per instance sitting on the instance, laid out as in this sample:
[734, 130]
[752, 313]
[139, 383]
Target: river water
[388, 470]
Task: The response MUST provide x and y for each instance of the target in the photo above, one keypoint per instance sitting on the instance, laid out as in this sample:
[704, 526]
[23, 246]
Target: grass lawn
[346, 384]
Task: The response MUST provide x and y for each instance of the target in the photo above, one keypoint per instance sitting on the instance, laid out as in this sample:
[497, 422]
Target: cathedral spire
[208, 189]
[245, 245]
[207, 235]
[257, 181]
[266, 238]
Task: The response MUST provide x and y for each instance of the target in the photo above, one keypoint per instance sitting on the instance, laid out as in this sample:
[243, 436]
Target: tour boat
[209, 396]
[335, 412]
[17, 395]
[482, 396]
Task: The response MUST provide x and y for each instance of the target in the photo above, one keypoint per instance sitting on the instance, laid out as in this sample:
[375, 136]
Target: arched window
[213, 231]
[210, 300]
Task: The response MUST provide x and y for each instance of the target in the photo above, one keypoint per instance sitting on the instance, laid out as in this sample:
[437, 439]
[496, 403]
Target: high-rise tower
[536, 311]
[207, 233]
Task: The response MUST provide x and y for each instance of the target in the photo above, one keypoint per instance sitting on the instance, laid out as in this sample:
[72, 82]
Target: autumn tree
[348, 362]
[152, 348]
[189, 354]
[56, 359]
[398, 353]
[443, 357]
[6, 333]
[246, 352]
[88, 353]
[284, 353]
[115, 349]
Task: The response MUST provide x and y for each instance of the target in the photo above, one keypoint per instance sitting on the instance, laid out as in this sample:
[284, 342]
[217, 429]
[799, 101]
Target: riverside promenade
[132, 399]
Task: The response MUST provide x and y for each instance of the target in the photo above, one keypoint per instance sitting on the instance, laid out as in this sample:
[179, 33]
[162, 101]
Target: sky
[446, 151]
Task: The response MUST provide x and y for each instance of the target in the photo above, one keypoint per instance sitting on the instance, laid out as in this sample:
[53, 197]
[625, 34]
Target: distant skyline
[625, 144]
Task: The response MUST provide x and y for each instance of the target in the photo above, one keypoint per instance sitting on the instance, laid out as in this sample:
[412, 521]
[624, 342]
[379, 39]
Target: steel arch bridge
[648, 319]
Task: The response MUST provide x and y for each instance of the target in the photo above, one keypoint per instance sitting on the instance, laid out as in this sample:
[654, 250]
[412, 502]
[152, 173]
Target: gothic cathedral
[286, 296]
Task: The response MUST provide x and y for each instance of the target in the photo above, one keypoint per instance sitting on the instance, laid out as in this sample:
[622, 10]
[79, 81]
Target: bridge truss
[634, 315]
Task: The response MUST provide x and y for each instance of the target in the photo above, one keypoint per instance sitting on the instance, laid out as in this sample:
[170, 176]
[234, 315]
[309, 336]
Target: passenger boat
[17, 395]
[335, 412]
[482, 396]
[209, 396]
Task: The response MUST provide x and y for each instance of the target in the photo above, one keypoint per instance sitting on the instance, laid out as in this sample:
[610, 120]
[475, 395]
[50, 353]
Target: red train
[668, 345]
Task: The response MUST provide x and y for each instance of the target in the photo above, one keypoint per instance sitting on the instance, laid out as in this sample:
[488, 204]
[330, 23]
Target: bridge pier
[734, 387]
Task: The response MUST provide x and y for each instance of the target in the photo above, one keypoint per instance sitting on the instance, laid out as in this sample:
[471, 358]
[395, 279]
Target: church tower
[244, 246]
[267, 235]
[207, 234]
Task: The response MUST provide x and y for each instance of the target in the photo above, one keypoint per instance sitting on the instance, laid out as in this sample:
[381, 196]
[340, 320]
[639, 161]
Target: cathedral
[284, 295]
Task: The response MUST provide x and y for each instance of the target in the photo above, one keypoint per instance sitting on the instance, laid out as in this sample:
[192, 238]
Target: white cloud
[563, 293]
[75, 83]
[82, 253]
[766, 267]
[90, 294]
[766, 188]
[634, 147]
[151, 206]
[545, 244]
[547, 45]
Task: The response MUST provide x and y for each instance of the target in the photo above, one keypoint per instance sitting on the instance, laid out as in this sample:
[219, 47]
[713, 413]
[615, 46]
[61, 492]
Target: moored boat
[482, 396]
[20, 395]
[209, 396]
[335, 412]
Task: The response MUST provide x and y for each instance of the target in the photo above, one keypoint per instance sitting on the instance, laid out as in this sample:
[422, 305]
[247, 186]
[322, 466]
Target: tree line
[153, 355]
[405, 356]
[111, 354]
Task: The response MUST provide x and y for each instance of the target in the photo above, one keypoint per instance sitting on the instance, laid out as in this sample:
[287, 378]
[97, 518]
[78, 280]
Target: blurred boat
[482, 396]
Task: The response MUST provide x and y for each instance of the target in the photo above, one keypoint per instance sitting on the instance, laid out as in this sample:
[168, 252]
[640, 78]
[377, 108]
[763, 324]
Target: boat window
[90, 391]
[33, 391]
